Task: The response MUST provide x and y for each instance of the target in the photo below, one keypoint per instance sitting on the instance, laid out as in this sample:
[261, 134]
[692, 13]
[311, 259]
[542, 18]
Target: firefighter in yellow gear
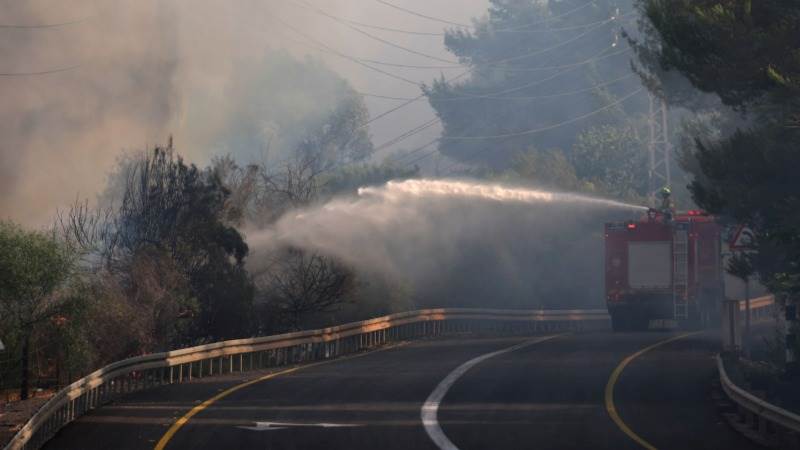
[667, 205]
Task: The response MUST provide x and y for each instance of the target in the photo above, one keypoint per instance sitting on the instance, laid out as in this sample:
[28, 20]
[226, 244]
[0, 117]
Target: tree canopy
[748, 53]
[534, 65]
[34, 265]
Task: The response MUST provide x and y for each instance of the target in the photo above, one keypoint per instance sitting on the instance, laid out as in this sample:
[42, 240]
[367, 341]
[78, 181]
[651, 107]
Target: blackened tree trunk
[24, 379]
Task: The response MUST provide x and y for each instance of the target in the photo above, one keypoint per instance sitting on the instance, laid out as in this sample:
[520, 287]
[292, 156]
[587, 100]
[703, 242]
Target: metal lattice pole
[659, 147]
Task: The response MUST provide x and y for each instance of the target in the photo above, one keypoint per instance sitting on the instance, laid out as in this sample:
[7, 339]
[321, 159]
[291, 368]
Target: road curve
[548, 395]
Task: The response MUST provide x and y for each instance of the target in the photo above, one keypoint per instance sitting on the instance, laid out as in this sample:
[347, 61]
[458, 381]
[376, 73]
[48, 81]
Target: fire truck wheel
[621, 321]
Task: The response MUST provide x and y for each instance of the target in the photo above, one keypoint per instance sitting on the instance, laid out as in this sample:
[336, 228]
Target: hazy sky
[137, 71]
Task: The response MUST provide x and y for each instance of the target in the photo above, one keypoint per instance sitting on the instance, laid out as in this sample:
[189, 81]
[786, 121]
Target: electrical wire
[550, 19]
[497, 94]
[563, 43]
[517, 134]
[533, 97]
[414, 13]
[46, 25]
[408, 134]
[463, 25]
[441, 34]
[547, 128]
[377, 62]
[412, 100]
[42, 72]
[428, 124]
[342, 55]
[385, 97]
[306, 5]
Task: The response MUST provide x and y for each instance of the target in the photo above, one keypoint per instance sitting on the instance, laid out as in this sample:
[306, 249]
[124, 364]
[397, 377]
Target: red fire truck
[663, 272]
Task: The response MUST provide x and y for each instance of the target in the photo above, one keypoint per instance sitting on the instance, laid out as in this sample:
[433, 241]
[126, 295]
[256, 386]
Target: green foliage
[342, 138]
[747, 53]
[32, 266]
[613, 159]
[511, 88]
[348, 179]
[738, 50]
[174, 210]
[548, 168]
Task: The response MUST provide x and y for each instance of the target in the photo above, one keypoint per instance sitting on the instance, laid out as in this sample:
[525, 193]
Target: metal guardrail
[144, 372]
[760, 308]
[769, 420]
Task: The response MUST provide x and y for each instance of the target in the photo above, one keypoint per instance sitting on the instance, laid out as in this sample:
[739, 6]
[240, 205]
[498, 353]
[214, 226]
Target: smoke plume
[124, 75]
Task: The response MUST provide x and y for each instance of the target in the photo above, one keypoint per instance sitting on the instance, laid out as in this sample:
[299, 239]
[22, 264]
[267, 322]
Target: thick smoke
[62, 131]
[462, 242]
[140, 71]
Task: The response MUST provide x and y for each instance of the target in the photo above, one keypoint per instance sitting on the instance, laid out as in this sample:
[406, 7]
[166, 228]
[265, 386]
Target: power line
[385, 97]
[342, 55]
[306, 5]
[440, 34]
[377, 62]
[392, 30]
[424, 155]
[547, 128]
[46, 25]
[516, 134]
[417, 130]
[490, 63]
[412, 100]
[550, 19]
[42, 72]
[523, 133]
[444, 67]
[533, 97]
[463, 25]
[570, 67]
[372, 36]
[408, 134]
[563, 43]
[414, 13]
[496, 94]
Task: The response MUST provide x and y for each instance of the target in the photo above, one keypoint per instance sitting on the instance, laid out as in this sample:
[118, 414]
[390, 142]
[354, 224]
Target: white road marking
[272, 426]
[430, 409]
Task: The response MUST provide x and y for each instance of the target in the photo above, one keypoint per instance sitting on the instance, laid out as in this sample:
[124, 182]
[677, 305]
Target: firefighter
[667, 205]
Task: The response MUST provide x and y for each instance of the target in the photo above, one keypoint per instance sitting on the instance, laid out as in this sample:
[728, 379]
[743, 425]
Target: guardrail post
[763, 426]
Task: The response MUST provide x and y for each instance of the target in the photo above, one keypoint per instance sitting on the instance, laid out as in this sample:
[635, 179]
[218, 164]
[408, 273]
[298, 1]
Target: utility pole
[659, 147]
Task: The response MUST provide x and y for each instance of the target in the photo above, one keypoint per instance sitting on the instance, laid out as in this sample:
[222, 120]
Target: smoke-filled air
[458, 241]
[175, 173]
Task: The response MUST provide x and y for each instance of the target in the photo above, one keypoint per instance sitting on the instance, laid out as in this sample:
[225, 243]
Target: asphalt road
[548, 395]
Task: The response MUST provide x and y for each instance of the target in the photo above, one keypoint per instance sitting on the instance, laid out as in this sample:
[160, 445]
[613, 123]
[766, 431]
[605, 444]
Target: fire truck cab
[663, 272]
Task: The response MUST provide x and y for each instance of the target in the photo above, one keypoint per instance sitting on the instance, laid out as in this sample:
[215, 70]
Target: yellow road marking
[609, 396]
[162, 443]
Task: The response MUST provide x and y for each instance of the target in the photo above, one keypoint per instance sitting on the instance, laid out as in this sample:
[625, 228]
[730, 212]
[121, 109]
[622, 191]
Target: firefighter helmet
[665, 192]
